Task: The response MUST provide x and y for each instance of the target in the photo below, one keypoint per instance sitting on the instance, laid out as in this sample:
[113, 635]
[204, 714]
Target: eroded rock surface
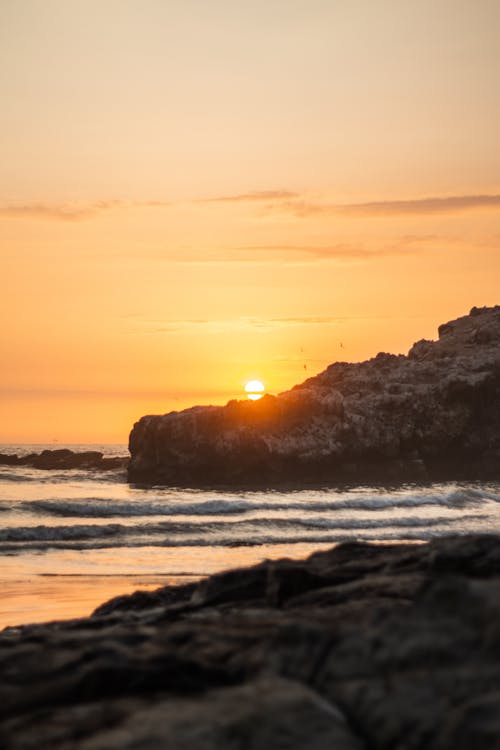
[433, 414]
[362, 646]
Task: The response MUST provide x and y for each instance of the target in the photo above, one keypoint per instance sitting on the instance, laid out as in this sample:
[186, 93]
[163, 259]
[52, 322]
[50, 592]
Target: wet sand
[46, 597]
[63, 584]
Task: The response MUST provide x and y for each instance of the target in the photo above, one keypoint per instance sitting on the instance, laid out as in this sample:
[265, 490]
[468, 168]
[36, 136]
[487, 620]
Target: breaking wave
[284, 530]
[100, 508]
[82, 510]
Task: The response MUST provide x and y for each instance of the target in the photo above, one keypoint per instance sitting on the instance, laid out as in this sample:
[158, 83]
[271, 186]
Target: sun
[254, 389]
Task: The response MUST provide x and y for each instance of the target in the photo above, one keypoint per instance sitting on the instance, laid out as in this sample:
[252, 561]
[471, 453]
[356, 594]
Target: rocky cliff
[357, 647]
[432, 414]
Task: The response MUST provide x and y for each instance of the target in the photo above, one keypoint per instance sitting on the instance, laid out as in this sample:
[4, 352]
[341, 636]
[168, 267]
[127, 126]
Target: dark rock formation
[63, 458]
[359, 647]
[433, 414]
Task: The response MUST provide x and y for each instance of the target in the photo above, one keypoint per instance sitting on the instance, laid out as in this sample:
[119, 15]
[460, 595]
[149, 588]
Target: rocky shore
[363, 646]
[63, 459]
[433, 414]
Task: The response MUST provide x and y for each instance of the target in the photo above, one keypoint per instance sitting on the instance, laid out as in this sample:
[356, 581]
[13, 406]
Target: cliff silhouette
[433, 414]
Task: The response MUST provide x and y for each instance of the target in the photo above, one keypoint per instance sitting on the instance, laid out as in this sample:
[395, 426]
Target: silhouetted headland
[433, 414]
[360, 646]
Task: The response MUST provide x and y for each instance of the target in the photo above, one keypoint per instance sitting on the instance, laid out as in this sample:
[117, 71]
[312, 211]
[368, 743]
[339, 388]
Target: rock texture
[63, 459]
[387, 647]
[433, 414]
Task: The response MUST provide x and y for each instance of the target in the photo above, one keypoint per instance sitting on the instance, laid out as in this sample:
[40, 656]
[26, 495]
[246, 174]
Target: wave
[228, 529]
[420, 535]
[61, 476]
[57, 533]
[99, 508]
[96, 508]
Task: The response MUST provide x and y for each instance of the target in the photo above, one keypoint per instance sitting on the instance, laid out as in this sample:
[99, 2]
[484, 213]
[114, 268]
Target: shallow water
[71, 539]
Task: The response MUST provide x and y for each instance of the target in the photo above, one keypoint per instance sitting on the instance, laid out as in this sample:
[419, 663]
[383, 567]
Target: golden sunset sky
[195, 193]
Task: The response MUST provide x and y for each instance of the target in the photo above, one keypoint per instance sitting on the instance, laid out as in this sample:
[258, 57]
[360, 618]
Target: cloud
[149, 204]
[302, 208]
[425, 205]
[60, 212]
[305, 320]
[254, 197]
[235, 324]
[290, 254]
[287, 201]
[173, 394]
[251, 324]
[336, 251]
[70, 212]
[269, 202]
[300, 254]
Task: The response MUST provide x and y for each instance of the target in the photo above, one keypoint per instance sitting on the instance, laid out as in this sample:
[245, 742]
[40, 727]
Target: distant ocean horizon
[71, 539]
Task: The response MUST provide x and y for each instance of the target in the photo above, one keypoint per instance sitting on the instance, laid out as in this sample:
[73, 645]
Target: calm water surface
[71, 539]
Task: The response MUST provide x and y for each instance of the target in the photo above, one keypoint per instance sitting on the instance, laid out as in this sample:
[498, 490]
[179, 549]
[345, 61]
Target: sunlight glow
[212, 244]
[254, 389]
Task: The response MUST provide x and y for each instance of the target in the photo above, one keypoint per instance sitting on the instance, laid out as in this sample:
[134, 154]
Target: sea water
[71, 539]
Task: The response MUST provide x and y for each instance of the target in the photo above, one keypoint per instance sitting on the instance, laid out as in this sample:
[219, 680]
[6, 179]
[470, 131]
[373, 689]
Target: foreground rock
[63, 459]
[433, 414]
[359, 647]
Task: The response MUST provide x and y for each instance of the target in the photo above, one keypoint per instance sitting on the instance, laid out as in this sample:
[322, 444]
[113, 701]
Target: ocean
[69, 540]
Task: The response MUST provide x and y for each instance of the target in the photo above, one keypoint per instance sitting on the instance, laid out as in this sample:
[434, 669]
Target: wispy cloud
[59, 212]
[254, 197]
[299, 205]
[424, 205]
[285, 253]
[336, 251]
[172, 394]
[149, 204]
[234, 324]
[300, 254]
[332, 252]
[248, 324]
[303, 208]
[306, 320]
[268, 202]
[70, 212]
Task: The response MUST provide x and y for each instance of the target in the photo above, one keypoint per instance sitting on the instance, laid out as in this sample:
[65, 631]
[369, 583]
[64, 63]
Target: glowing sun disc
[254, 389]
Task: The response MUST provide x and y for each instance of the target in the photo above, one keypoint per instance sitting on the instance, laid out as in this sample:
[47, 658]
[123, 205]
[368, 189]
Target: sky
[196, 193]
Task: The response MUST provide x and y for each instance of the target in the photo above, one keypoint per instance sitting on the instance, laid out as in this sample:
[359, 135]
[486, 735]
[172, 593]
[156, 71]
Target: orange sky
[194, 194]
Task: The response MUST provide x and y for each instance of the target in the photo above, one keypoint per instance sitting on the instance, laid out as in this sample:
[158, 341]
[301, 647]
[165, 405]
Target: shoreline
[49, 597]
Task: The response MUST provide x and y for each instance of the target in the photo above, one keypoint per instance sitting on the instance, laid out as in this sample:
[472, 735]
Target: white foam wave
[96, 508]
[30, 475]
[218, 532]
[422, 534]
[101, 508]
[384, 523]
[57, 533]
